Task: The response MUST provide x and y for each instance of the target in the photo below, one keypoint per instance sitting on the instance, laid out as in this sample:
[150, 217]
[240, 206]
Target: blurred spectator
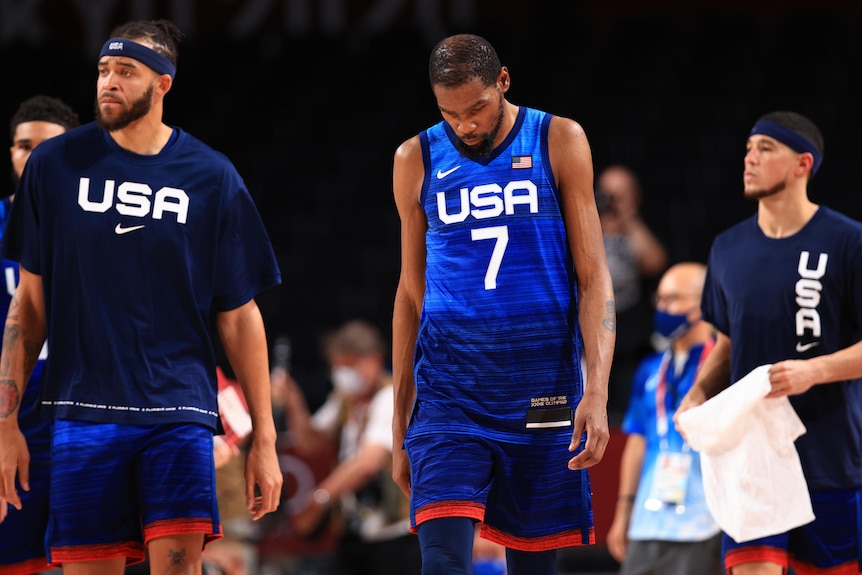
[376, 538]
[662, 525]
[636, 258]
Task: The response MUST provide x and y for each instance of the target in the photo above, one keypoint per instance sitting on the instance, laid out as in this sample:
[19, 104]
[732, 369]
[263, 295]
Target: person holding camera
[635, 258]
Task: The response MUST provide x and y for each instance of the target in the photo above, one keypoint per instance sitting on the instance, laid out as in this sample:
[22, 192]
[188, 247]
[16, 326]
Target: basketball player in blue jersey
[503, 323]
[137, 240]
[784, 287]
[22, 533]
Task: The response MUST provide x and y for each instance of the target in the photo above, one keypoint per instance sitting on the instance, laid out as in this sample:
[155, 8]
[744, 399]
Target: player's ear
[503, 79]
[164, 83]
[805, 163]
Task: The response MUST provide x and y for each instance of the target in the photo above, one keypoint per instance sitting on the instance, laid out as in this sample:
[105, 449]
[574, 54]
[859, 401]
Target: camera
[604, 202]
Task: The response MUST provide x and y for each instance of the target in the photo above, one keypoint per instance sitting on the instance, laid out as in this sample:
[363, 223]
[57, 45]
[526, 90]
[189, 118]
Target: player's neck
[510, 114]
[146, 136]
[784, 214]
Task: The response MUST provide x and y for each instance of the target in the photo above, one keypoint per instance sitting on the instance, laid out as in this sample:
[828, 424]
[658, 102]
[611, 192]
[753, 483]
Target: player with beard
[503, 323]
[137, 242]
[784, 287]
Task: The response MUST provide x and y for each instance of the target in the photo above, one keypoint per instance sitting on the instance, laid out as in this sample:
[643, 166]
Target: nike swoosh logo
[120, 230]
[801, 347]
[441, 174]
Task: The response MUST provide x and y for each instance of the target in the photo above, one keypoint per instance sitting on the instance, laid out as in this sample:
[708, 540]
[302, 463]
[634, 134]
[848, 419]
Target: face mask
[347, 381]
[669, 325]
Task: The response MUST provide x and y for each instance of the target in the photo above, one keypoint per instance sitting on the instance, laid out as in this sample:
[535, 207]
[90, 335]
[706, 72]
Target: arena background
[310, 98]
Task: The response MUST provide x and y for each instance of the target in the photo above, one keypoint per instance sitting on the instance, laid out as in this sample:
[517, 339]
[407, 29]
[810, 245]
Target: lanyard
[661, 389]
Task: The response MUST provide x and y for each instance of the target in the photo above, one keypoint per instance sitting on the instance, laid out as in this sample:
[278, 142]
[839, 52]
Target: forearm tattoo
[10, 399]
[11, 335]
[10, 395]
[31, 352]
[610, 320]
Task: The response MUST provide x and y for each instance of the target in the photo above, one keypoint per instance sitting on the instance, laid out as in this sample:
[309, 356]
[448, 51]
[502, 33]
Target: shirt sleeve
[378, 429]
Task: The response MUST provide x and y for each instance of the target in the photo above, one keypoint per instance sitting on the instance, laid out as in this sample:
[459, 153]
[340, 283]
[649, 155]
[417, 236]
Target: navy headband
[791, 138]
[141, 53]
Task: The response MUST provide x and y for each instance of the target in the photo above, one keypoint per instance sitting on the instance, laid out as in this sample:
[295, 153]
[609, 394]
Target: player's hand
[591, 417]
[790, 377]
[262, 471]
[401, 470]
[14, 460]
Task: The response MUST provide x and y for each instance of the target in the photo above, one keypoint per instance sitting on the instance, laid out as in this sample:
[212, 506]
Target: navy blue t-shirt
[795, 298]
[135, 253]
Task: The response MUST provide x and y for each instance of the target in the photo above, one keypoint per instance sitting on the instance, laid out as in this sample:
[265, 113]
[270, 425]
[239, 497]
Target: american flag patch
[522, 162]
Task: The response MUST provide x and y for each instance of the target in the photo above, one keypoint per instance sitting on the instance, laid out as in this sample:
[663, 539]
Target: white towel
[752, 477]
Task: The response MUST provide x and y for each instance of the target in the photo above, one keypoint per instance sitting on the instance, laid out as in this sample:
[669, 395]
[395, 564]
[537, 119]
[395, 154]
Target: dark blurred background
[310, 98]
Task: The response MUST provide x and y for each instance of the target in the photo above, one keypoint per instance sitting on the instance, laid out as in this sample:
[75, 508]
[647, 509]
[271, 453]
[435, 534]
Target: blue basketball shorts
[116, 487]
[829, 545]
[523, 494]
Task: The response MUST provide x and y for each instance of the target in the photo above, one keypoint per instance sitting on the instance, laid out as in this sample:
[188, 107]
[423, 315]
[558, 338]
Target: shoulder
[834, 218]
[737, 234]
[567, 144]
[565, 131]
[82, 140]
[409, 151]
[192, 144]
[408, 169]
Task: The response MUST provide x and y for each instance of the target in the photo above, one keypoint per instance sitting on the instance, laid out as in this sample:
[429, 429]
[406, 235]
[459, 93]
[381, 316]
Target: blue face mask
[671, 325]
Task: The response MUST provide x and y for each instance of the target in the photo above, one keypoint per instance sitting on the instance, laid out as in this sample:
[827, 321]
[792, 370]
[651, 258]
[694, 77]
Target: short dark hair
[164, 35]
[41, 108]
[799, 124]
[458, 59]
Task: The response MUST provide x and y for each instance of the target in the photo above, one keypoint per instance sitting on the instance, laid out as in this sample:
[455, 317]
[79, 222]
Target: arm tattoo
[31, 356]
[610, 321]
[11, 335]
[10, 399]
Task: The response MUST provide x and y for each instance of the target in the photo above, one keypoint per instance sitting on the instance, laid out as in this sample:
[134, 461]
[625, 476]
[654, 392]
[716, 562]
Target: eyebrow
[478, 102]
[126, 61]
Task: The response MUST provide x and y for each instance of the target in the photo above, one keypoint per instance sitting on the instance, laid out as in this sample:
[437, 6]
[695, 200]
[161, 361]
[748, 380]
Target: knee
[445, 560]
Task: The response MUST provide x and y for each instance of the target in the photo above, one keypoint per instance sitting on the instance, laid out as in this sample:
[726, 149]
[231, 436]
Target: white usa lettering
[133, 199]
[808, 290]
[489, 201]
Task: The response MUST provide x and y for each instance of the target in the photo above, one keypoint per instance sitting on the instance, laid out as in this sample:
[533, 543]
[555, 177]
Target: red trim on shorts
[476, 511]
[131, 550]
[802, 568]
[573, 538]
[27, 567]
[469, 509]
[187, 526]
[754, 554]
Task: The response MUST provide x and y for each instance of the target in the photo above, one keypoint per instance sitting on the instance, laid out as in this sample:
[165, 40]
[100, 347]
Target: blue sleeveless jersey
[498, 332]
[136, 253]
[796, 298]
